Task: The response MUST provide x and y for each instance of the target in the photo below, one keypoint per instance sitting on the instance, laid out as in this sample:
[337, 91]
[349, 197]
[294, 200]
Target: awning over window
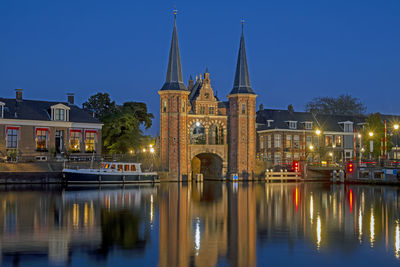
[42, 129]
[11, 128]
[75, 131]
[91, 131]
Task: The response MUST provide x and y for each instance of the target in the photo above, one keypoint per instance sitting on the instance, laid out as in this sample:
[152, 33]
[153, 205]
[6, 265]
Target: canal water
[204, 224]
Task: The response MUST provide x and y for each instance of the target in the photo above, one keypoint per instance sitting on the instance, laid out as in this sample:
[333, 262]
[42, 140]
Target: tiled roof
[40, 110]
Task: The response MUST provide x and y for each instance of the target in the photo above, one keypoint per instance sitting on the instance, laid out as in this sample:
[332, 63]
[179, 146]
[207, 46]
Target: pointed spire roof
[241, 84]
[174, 80]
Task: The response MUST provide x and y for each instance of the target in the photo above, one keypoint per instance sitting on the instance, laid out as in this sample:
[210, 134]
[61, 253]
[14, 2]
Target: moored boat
[110, 173]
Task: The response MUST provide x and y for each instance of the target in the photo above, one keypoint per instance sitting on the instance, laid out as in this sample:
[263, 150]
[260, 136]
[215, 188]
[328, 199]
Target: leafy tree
[342, 105]
[140, 112]
[121, 132]
[375, 125]
[100, 104]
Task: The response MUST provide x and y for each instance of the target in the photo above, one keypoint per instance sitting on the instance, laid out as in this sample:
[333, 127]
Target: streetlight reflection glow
[372, 228]
[397, 241]
[318, 232]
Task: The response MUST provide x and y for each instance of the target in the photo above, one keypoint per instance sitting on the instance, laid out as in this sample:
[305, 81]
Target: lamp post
[371, 145]
[396, 128]
[318, 133]
[360, 151]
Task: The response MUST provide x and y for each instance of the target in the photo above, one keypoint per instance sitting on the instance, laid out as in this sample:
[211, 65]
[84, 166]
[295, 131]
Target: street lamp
[371, 145]
[318, 132]
[396, 128]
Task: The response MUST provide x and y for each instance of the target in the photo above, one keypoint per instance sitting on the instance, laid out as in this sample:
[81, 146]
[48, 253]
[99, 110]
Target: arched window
[197, 134]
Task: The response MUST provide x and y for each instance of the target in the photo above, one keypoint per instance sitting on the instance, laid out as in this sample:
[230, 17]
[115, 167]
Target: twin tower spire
[174, 79]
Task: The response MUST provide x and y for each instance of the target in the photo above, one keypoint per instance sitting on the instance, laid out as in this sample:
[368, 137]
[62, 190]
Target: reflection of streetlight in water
[397, 241]
[372, 228]
[318, 232]
[311, 209]
[197, 236]
[360, 226]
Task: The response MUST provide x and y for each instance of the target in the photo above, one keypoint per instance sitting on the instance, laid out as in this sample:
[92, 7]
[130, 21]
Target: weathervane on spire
[242, 24]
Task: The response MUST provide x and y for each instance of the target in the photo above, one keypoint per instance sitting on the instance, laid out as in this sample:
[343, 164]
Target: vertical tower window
[211, 110]
[164, 109]
[183, 106]
[202, 110]
[243, 108]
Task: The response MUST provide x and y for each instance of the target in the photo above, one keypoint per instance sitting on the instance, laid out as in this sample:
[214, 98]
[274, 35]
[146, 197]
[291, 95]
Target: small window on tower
[211, 110]
[243, 108]
[202, 110]
[183, 106]
[164, 106]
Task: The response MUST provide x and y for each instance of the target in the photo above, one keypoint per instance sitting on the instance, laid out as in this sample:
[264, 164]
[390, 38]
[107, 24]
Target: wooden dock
[282, 176]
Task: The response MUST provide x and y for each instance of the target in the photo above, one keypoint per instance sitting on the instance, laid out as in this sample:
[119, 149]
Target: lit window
[59, 114]
[339, 139]
[202, 110]
[75, 141]
[277, 140]
[243, 108]
[328, 141]
[288, 141]
[90, 141]
[164, 106]
[41, 140]
[269, 141]
[119, 167]
[12, 138]
[211, 110]
[126, 168]
[133, 168]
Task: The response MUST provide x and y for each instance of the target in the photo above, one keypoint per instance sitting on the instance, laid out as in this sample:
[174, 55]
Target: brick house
[39, 130]
[286, 135]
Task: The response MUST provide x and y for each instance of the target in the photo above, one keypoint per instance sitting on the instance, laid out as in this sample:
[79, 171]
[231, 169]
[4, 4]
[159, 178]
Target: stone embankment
[35, 172]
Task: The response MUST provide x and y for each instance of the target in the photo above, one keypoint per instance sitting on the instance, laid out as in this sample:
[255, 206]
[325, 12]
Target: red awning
[11, 128]
[91, 131]
[42, 129]
[74, 131]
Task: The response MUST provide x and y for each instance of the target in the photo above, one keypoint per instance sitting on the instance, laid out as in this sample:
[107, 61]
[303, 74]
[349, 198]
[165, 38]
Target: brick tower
[173, 115]
[242, 120]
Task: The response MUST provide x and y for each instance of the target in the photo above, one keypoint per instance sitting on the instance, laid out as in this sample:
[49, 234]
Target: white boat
[111, 173]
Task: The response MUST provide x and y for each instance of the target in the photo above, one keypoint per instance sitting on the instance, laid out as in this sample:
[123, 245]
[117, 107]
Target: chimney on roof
[71, 98]
[18, 94]
[190, 84]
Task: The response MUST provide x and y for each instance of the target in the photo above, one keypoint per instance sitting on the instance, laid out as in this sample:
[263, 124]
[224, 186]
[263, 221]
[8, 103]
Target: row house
[286, 135]
[32, 129]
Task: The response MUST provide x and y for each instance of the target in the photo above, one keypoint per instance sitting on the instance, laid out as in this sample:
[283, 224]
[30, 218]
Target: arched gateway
[199, 132]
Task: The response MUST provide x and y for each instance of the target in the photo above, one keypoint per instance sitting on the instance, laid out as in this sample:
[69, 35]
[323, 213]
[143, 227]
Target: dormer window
[60, 112]
[269, 122]
[347, 126]
[292, 124]
[308, 125]
[2, 110]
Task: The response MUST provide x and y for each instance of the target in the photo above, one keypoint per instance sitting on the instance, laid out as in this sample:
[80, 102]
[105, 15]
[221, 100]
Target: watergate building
[199, 133]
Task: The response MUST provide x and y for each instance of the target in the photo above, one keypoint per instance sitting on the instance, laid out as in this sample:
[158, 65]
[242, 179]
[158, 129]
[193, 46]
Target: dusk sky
[296, 50]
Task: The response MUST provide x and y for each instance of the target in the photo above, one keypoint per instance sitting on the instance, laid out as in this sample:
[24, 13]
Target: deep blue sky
[296, 50]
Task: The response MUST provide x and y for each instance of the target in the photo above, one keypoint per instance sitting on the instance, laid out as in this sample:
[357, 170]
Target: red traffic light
[350, 167]
[296, 166]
